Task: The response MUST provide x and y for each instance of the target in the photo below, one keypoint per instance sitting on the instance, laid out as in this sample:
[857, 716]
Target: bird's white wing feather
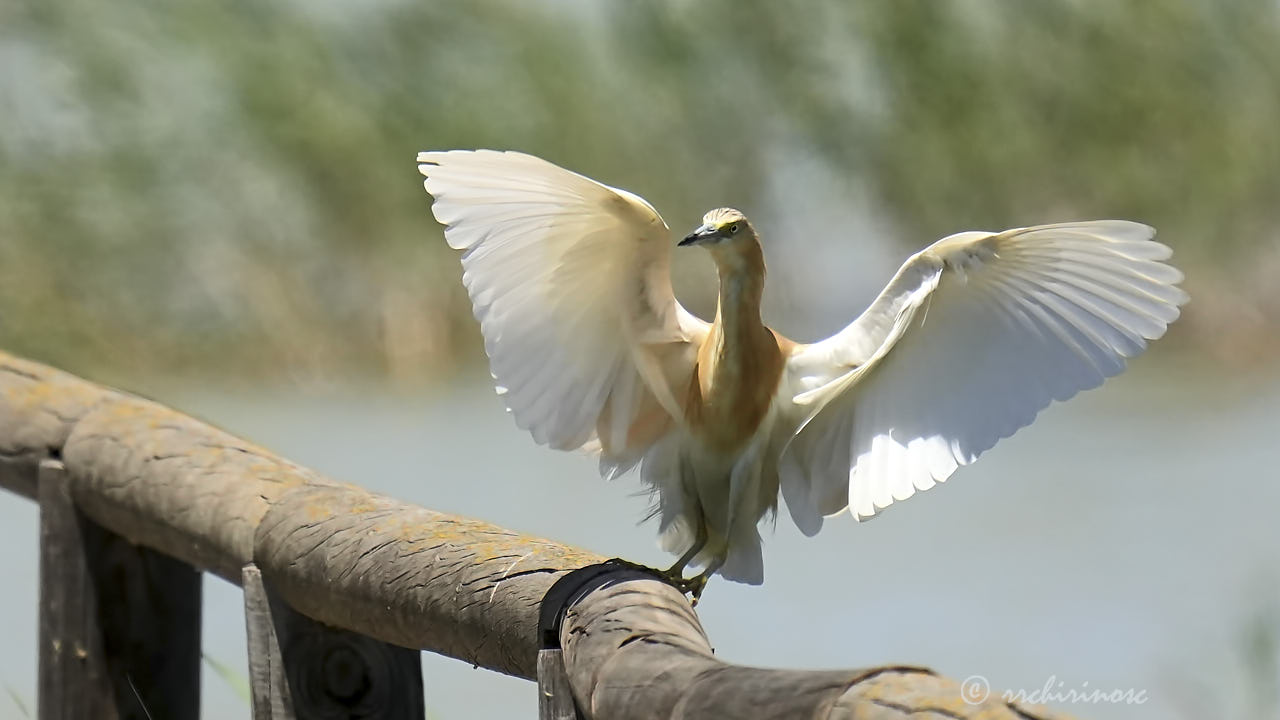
[973, 337]
[570, 281]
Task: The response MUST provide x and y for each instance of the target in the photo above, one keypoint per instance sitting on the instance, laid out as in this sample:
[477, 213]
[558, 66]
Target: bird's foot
[692, 586]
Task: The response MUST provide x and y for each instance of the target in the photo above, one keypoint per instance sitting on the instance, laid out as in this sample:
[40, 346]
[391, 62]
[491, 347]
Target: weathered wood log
[341, 555]
[155, 476]
[635, 650]
[408, 576]
[412, 576]
[119, 624]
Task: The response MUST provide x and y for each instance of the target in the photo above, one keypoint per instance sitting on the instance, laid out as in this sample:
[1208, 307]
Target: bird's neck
[739, 363]
[741, 287]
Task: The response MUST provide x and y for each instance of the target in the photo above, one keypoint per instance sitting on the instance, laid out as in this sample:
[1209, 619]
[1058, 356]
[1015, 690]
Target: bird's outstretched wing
[970, 340]
[570, 281]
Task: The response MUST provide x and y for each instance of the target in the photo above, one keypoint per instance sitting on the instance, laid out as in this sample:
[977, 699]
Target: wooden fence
[342, 587]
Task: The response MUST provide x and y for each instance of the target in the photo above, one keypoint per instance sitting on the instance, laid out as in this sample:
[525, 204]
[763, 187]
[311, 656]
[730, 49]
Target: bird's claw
[692, 586]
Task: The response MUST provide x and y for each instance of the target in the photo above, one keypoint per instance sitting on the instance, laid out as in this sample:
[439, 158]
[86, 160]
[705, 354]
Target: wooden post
[119, 624]
[268, 690]
[74, 680]
[555, 698]
[301, 669]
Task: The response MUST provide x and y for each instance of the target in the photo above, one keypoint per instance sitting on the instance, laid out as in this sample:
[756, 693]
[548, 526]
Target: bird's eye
[733, 229]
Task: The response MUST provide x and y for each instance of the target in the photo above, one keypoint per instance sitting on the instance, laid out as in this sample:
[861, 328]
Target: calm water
[1122, 542]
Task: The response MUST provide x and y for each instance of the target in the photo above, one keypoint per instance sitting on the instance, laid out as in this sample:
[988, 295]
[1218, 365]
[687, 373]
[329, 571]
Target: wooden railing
[342, 587]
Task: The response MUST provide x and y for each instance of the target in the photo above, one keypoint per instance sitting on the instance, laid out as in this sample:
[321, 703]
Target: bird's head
[722, 228]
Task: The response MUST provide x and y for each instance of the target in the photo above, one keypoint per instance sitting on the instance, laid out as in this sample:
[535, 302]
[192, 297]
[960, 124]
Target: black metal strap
[573, 585]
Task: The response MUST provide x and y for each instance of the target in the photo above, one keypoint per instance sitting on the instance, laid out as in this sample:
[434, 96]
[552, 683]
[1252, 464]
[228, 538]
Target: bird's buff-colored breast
[735, 384]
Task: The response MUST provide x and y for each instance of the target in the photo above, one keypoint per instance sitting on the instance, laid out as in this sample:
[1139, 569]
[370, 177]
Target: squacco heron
[590, 350]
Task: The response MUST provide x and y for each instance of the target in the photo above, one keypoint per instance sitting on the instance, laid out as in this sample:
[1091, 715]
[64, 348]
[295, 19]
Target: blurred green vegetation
[227, 189]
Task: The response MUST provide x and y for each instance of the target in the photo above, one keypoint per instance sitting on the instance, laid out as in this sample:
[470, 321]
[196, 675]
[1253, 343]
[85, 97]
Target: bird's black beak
[702, 234]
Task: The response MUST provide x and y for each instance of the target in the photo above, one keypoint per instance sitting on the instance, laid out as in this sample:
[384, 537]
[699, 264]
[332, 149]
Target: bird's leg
[696, 584]
[676, 572]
